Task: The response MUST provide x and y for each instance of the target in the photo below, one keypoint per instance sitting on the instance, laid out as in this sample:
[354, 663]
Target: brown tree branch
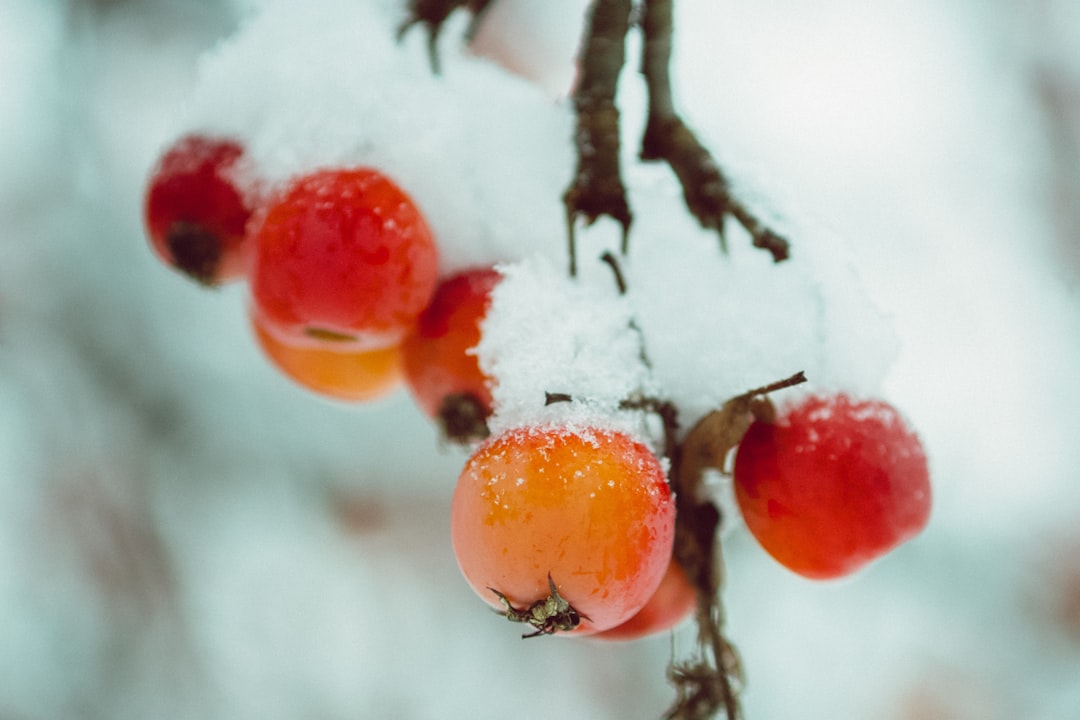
[705, 188]
[432, 14]
[711, 681]
[597, 188]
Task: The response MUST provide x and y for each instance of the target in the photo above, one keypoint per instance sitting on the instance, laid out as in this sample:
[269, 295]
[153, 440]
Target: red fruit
[195, 214]
[329, 369]
[440, 369]
[588, 508]
[344, 253]
[832, 485]
[672, 603]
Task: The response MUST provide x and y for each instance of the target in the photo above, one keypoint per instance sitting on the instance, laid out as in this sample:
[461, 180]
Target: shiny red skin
[671, 604]
[437, 353]
[195, 214]
[344, 252]
[832, 485]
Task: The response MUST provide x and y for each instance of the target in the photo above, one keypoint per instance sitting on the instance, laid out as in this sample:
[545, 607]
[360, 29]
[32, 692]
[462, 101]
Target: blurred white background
[184, 534]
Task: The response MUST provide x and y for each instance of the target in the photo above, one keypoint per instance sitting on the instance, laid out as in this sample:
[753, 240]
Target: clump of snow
[695, 327]
[719, 325]
[549, 333]
[304, 93]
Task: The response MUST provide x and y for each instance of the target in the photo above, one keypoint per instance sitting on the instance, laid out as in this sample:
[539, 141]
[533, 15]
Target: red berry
[441, 370]
[669, 605]
[344, 252]
[589, 508]
[832, 485]
[195, 214]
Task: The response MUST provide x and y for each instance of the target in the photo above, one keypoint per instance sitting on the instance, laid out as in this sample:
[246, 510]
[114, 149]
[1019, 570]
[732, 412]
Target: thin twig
[597, 188]
[613, 263]
[432, 14]
[667, 138]
[710, 682]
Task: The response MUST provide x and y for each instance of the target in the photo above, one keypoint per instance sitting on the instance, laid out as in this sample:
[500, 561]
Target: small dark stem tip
[550, 398]
[613, 263]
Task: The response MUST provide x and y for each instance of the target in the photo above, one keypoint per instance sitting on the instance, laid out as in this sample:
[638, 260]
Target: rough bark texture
[597, 188]
[667, 138]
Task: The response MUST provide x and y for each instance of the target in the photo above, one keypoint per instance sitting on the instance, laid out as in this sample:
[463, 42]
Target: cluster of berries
[569, 528]
[343, 269]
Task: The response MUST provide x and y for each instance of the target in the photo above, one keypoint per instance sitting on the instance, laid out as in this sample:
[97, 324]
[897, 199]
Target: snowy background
[185, 534]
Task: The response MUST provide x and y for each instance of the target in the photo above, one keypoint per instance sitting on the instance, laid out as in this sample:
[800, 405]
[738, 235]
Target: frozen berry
[344, 253]
[833, 484]
[195, 212]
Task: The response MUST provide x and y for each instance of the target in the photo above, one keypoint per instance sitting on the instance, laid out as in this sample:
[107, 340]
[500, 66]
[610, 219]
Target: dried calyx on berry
[463, 418]
[548, 616]
[441, 366]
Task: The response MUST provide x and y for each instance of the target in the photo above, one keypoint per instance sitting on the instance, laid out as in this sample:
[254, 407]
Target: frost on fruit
[590, 508]
[832, 484]
[196, 212]
[344, 251]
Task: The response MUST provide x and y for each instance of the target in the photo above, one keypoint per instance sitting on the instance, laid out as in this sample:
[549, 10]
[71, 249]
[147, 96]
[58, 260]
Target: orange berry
[441, 370]
[589, 508]
[331, 368]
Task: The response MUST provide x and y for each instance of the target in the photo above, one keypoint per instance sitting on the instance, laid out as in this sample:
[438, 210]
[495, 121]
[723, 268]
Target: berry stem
[796, 379]
[712, 438]
[668, 414]
[551, 398]
[709, 682]
[613, 263]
